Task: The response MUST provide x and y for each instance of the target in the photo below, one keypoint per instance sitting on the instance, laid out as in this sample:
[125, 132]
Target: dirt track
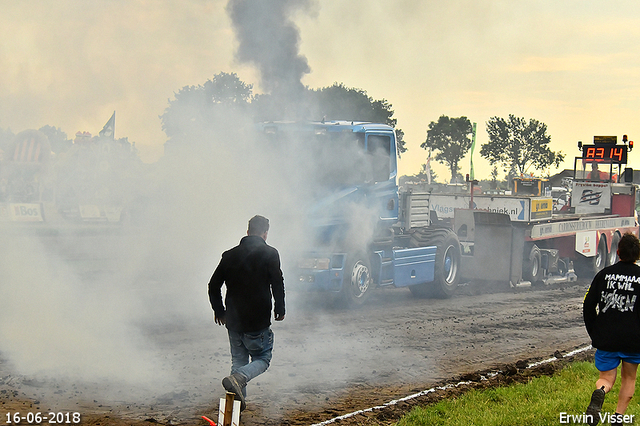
[329, 362]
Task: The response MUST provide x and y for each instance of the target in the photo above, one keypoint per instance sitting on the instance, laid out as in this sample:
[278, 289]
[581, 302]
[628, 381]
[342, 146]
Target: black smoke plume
[269, 40]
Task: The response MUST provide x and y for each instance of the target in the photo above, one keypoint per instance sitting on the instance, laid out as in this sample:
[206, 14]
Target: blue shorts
[606, 361]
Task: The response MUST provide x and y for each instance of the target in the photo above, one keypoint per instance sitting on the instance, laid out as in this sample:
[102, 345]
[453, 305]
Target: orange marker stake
[209, 420]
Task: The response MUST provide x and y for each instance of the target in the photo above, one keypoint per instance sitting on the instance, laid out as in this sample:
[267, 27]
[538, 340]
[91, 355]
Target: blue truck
[366, 234]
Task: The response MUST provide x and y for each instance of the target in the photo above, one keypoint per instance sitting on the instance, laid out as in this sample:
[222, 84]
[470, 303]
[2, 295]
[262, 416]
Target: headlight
[314, 263]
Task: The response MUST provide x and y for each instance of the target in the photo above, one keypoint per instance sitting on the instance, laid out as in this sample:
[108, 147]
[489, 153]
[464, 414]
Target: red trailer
[582, 238]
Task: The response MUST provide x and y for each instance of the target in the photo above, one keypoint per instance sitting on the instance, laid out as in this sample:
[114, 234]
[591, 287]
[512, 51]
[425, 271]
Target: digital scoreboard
[606, 153]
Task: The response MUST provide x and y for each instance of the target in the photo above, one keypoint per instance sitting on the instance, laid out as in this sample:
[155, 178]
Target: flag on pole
[473, 146]
[109, 129]
[427, 168]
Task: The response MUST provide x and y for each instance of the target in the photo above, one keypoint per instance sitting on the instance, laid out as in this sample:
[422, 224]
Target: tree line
[514, 143]
[196, 112]
[204, 109]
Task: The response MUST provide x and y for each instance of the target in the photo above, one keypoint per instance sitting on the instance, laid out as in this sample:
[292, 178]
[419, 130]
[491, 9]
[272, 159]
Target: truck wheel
[447, 266]
[358, 282]
[588, 267]
[613, 252]
[532, 268]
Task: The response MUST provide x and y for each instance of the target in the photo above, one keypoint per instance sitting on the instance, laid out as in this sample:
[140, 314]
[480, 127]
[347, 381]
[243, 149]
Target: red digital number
[616, 152]
[595, 152]
[613, 154]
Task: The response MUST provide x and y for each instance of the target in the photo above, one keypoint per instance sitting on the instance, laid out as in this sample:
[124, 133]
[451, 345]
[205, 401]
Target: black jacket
[615, 325]
[251, 272]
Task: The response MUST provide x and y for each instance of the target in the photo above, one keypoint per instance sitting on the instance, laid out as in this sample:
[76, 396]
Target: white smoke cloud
[89, 307]
[55, 323]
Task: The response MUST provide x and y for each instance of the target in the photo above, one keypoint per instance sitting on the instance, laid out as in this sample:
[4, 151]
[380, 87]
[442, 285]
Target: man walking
[251, 271]
[612, 318]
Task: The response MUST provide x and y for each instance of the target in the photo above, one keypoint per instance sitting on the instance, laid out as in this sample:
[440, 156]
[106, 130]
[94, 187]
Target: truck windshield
[338, 159]
[379, 148]
[343, 159]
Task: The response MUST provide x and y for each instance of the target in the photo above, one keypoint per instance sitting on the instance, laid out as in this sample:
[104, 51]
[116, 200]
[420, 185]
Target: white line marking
[428, 391]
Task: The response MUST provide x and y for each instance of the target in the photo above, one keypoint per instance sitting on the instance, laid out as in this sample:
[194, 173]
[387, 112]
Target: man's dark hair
[258, 225]
[629, 248]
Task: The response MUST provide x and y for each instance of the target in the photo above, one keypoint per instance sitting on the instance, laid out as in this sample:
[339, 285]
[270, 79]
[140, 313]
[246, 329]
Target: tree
[519, 145]
[198, 109]
[338, 102]
[450, 138]
[57, 138]
[426, 174]
[335, 102]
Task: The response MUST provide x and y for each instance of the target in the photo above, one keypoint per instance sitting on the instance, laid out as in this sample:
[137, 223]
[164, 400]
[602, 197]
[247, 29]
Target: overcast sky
[572, 64]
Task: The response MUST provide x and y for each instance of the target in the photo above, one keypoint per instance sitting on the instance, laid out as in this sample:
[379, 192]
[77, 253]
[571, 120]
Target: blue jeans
[258, 345]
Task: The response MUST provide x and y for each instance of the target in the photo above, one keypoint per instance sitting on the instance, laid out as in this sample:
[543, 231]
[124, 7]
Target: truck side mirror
[627, 176]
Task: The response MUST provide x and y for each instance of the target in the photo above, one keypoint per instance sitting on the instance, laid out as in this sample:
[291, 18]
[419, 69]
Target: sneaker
[597, 399]
[234, 384]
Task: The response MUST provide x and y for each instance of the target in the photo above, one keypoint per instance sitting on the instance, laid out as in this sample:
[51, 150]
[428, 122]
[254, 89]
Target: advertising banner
[571, 227]
[591, 197]
[519, 209]
[23, 212]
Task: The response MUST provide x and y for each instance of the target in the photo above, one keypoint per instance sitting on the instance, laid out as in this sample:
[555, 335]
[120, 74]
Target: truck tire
[588, 267]
[532, 266]
[357, 283]
[613, 251]
[447, 265]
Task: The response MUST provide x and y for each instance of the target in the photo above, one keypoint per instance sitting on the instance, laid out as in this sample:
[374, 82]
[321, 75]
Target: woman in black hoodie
[611, 313]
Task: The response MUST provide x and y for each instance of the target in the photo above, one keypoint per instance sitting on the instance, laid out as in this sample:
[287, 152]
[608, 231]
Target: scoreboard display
[606, 153]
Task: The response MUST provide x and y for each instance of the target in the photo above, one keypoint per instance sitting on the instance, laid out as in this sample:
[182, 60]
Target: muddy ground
[330, 362]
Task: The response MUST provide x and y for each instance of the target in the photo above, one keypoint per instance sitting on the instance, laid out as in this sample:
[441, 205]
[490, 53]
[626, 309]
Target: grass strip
[539, 402]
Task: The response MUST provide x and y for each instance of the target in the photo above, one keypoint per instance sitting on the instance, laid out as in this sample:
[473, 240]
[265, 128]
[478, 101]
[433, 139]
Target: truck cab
[348, 163]
[365, 234]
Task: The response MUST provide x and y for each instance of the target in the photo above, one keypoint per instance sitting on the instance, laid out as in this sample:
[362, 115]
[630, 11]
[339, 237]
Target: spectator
[612, 319]
[251, 271]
